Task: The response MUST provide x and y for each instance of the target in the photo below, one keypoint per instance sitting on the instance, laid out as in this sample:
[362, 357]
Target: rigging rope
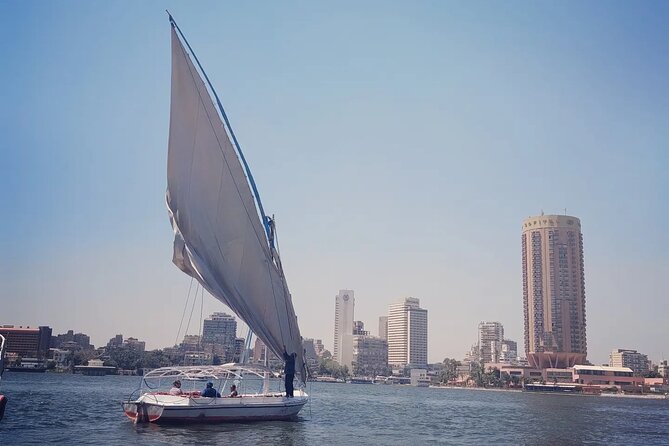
[183, 314]
[201, 308]
[197, 288]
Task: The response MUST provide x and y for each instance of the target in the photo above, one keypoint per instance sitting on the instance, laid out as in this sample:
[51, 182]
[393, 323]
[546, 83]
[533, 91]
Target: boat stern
[141, 412]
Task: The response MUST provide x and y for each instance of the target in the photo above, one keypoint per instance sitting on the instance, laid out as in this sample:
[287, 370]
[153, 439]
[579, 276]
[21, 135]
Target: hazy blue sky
[400, 146]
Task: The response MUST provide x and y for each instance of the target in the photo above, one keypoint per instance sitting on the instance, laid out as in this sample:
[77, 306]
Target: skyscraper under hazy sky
[407, 333]
[553, 291]
[343, 330]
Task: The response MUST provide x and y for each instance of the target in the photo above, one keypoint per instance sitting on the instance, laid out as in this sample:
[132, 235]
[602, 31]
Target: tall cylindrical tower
[553, 291]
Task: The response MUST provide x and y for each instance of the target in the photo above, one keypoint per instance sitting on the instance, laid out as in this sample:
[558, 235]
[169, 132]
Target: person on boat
[233, 391]
[289, 372]
[176, 388]
[210, 392]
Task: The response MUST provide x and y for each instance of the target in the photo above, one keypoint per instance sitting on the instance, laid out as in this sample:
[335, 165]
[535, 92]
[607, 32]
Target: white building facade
[343, 330]
[370, 355]
[636, 361]
[407, 333]
[491, 335]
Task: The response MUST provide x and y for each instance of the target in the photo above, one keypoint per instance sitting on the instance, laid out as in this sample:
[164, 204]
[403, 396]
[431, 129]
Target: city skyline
[397, 146]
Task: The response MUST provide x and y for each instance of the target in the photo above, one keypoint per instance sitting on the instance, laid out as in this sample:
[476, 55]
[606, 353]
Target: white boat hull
[194, 409]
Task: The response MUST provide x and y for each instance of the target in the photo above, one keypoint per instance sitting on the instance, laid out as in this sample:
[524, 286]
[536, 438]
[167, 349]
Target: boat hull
[3, 404]
[27, 369]
[171, 409]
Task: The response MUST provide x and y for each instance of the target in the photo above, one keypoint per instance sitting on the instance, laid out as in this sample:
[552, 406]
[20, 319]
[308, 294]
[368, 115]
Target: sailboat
[225, 241]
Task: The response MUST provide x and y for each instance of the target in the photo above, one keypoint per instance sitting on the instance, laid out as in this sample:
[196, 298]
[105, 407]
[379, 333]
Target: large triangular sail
[219, 238]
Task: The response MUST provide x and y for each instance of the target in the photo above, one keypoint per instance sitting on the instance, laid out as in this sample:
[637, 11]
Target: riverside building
[636, 361]
[24, 342]
[491, 335]
[509, 353]
[343, 330]
[553, 291]
[370, 355]
[407, 333]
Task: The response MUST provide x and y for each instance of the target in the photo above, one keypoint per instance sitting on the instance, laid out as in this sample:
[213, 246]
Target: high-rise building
[359, 328]
[310, 354]
[27, 342]
[319, 347]
[134, 344]
[220, 329]
[343, 331]
[383, 327]
[191, 343]
[491, 335]
[79, 340]
[115, 342]
[407, 333]
[636, 361]
[472, 355]
[553, 291]
[509, 352]
[239, 349]
[262, 355]
[663, 369]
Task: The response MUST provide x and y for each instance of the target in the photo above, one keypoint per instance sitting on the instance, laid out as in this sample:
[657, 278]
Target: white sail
[219, 238]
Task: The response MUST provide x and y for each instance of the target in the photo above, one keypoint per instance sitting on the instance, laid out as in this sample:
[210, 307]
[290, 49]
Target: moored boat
[552, 388]
[360, 380]
[30, 365]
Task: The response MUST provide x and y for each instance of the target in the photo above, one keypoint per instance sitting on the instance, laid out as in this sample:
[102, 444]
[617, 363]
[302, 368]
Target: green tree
[126, 358]
[154, 359]
[450, 370]
[477, 374]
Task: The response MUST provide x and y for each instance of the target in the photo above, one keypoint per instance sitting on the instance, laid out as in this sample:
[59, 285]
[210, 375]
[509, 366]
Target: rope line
[183, 314]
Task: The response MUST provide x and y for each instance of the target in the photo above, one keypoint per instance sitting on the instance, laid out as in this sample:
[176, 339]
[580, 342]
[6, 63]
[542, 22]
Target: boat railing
[245, 376]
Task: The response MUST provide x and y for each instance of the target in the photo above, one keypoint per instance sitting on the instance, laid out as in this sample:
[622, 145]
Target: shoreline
[606, 395]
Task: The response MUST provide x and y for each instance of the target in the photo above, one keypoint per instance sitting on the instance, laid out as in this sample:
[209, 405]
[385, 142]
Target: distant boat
[552, 388]
[360, 380]
[327, 379]
[224, 240]
[29, 365]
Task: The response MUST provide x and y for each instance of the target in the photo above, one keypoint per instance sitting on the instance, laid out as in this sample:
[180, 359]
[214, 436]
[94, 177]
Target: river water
[82, 410]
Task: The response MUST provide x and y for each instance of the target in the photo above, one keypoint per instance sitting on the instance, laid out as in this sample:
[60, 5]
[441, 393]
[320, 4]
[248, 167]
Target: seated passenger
[176, 388]
[210, 392]
[233, 391]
